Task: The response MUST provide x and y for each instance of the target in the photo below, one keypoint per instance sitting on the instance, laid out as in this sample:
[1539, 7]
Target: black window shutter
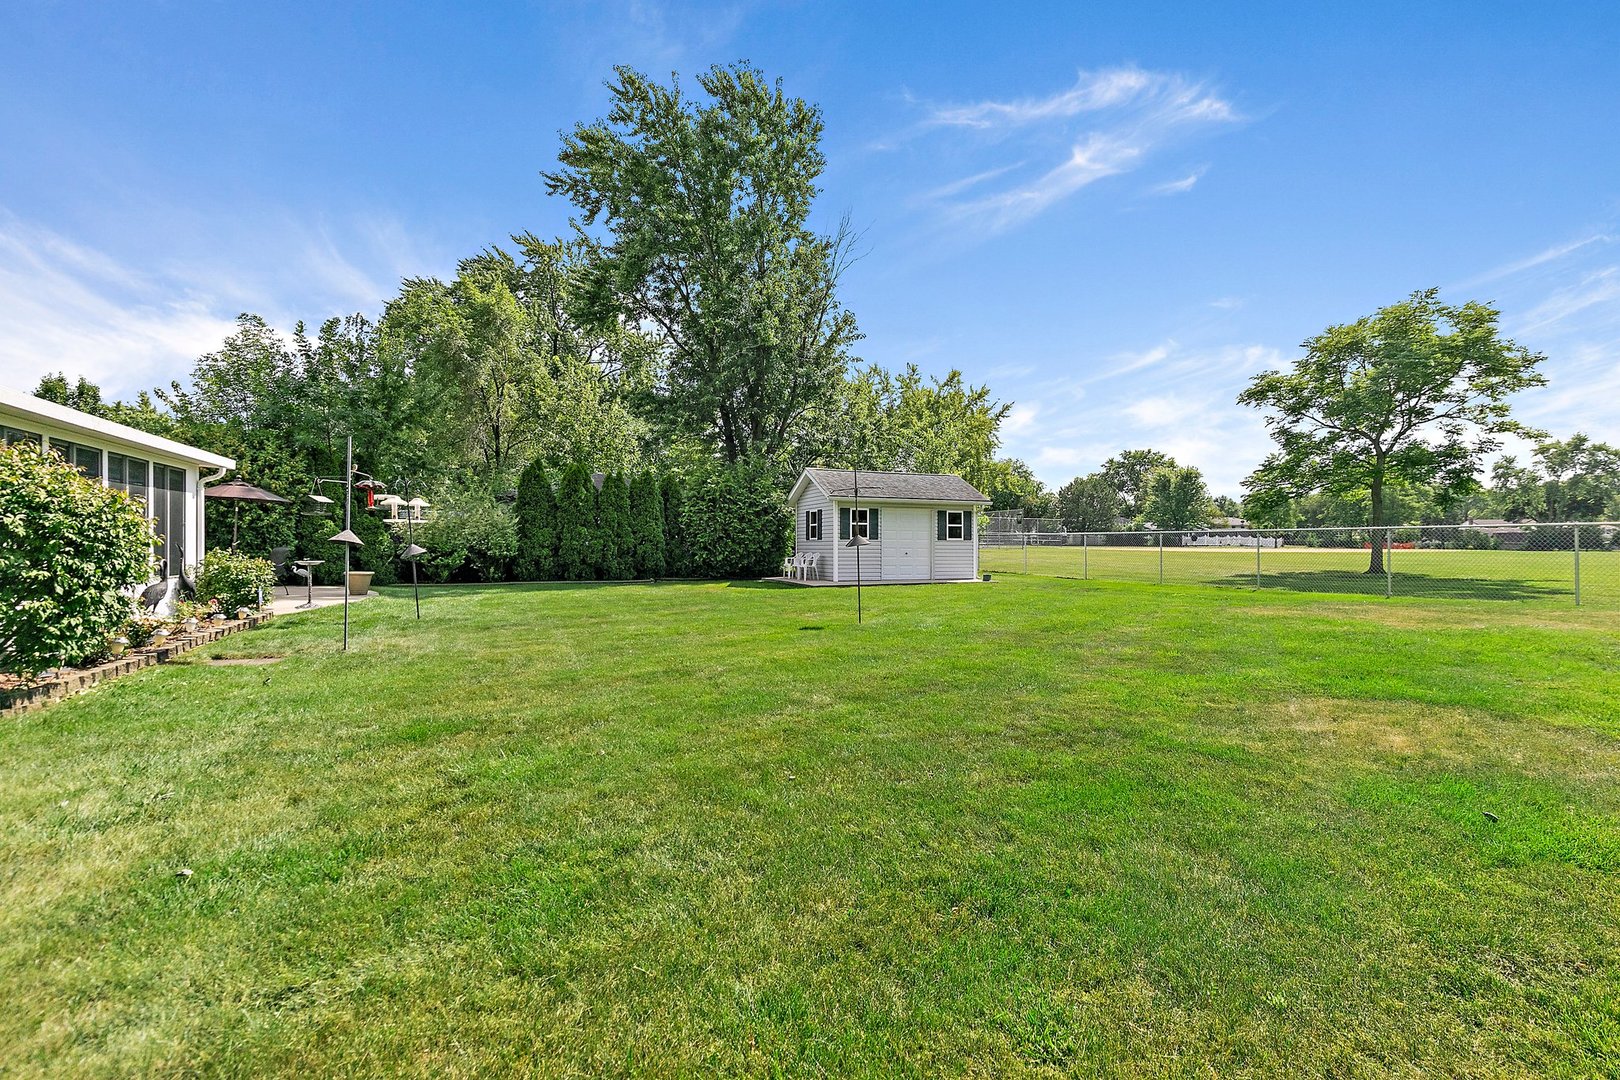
[872, 520]
[967, 524]
[941, 519]
[843, 523]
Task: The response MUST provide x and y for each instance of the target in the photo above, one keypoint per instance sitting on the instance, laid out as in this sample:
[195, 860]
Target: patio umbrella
[240, 491]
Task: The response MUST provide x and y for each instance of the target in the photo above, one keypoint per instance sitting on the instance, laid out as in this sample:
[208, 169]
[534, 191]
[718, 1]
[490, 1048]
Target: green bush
[235, 580]
[736, 521]
[615, 539]
[647, 526]
[470, 537]
[577, 554]
[536, 525]
[70, 549]
[671, 494]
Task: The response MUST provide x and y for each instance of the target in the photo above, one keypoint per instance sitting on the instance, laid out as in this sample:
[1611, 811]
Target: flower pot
[359, 582]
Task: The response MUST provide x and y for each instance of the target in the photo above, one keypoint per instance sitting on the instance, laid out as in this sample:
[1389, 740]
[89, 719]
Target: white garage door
[905, 544]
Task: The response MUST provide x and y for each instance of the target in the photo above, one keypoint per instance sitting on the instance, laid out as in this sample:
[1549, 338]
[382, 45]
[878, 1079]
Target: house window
[812, 524]
[860, 522]
[87, 459]
[128, 474]
[953, 524]
[10, 435]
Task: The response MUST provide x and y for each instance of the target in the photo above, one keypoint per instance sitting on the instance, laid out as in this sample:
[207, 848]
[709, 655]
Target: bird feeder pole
[348, 508]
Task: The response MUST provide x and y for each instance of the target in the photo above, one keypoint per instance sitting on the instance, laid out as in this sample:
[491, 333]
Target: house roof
[891, 486]
[26, 407]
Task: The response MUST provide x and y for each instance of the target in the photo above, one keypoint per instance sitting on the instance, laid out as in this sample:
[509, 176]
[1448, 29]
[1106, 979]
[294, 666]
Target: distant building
[1509, 535]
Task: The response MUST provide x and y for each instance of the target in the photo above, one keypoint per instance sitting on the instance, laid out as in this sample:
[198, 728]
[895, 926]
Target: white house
[167, 477]
[920, 525]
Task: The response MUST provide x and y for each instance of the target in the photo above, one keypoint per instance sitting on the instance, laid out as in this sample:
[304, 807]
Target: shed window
[812, 524]
[953, 524]
[861, 522]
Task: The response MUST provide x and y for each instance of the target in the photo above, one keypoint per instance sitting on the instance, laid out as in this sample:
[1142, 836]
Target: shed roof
[27, 407]
[892, 486]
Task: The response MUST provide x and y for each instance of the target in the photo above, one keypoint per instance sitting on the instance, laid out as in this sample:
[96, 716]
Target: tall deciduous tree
[913, 423]
[1088, 504]
[1128, 471]
[1174, 497]
[1415, 393]
[705, 206]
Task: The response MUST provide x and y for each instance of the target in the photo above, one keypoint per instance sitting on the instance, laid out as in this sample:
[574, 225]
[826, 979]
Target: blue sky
[1113, 214]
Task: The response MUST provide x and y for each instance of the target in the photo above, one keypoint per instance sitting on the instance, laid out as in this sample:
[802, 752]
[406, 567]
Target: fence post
[1161, 558]
[1257, 560]
[1389, 563]
[1085, 556]
[1577, 529]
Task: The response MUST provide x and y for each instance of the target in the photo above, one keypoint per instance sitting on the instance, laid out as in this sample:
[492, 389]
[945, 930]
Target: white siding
[814, 499]
[871, 554]
[955, 560]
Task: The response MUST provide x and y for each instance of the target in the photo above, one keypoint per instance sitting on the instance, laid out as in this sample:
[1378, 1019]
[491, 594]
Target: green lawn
[1547, 576]
[1037, 826]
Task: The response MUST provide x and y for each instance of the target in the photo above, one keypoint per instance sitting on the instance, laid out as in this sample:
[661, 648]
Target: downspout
[201, 509]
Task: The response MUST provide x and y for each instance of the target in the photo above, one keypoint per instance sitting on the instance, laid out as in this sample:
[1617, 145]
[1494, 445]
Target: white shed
[167, 477]
[920, 525]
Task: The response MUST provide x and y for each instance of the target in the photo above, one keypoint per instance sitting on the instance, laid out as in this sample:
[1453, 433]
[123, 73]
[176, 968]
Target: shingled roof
[910, 487]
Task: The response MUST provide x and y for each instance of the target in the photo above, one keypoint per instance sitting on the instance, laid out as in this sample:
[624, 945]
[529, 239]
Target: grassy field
[1547, 576]
[1031, 827]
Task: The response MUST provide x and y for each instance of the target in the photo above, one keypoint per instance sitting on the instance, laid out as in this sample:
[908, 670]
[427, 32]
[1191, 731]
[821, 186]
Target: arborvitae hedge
[615, 536]
[736, 521]
[647, 525]
[676, 564]
[577, 546]
[536, 525]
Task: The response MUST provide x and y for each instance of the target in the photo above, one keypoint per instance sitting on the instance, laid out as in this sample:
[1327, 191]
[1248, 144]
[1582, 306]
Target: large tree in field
[1088, 504]
[705, 207]
[1413, 394]
[1128, 471]
[1174, 497]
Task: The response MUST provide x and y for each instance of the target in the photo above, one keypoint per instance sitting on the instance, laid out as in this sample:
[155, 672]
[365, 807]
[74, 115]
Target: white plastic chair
[812, 569]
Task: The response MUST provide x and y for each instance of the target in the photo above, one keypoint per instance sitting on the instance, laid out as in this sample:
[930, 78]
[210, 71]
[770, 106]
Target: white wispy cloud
[1599, 287]
[130, 324]
[70, 308]
[1110, 122]
[1178, 187]
[1092, 91]
[1547, 255]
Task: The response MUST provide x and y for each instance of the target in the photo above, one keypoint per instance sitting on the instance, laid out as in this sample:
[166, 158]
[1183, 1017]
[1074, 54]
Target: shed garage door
[905, 544]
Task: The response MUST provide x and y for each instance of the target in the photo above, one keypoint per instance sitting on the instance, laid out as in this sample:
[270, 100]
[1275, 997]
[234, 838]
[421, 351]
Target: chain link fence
[1564, 562]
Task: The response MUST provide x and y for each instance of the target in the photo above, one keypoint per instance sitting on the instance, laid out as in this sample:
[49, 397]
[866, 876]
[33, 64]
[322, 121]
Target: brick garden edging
[20, 699]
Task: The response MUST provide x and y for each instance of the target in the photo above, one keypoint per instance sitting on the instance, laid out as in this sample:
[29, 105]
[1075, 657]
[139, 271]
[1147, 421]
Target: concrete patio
[290, 603]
